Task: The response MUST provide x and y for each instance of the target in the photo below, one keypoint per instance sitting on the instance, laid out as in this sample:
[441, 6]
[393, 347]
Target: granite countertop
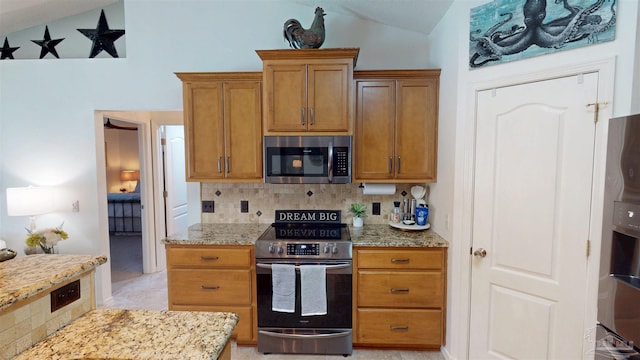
[26, 276]
[383, 235]
[138, 334]
[246, 234]
[219, 234]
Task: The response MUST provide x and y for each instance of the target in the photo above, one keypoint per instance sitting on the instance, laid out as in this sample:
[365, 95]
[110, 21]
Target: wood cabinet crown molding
[220, 76]
[395, 74]
[308, 54]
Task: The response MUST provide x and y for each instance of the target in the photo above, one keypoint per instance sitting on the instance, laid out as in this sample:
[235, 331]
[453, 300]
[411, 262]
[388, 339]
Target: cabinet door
[285, 97]
[328, 100]
[243, 130]
[203, 130]
[373, 141]
[416, 130]
[397, 327]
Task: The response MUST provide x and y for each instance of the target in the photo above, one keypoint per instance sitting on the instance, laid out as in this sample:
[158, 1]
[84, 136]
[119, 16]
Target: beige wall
[121, 148]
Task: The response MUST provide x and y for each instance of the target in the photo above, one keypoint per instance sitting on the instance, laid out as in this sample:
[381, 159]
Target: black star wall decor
[6, 50]
[102, 37]
[48, 45]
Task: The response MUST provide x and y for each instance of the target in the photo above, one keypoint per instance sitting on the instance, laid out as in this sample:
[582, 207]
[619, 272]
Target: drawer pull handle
[393, 260]
[205, 287]
[209, 258]
[399, 328]
[400, 291]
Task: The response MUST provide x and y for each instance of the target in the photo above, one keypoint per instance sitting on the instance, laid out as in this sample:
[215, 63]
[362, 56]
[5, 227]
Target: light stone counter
[246, 234]
[139, 334]
[386, 236]
[27, 276]
[219, 234]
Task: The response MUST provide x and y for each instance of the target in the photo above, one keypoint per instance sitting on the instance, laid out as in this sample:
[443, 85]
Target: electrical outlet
[208, 206]
[75, 206]
[244, 206]
[375, 208]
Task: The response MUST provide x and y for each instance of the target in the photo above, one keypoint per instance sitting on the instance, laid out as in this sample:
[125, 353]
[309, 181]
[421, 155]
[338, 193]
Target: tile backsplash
[263, 199]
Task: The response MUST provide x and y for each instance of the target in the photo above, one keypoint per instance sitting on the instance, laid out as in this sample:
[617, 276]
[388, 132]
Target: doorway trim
[463, 204]
[143, 122]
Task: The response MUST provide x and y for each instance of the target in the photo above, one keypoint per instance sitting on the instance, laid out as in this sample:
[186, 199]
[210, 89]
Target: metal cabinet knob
[480, 252]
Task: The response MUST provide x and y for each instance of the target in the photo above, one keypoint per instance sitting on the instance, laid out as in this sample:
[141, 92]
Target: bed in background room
[124, 211]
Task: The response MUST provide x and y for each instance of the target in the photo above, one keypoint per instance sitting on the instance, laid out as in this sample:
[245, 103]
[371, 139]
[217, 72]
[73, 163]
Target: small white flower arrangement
[46, 239]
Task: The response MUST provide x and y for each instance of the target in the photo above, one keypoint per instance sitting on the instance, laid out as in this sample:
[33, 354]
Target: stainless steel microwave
[307, 159]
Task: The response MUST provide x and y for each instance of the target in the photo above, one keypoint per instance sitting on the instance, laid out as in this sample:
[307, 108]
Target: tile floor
[133, 290]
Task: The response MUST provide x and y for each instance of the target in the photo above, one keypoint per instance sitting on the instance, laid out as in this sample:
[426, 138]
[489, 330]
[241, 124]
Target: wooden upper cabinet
[223, 128]
[396, 129]
[308, 90]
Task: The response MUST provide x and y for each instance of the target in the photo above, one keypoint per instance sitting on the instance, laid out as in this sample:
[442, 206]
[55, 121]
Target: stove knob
[280, 250]
[334, 249]
[271, 249]
[326, 249]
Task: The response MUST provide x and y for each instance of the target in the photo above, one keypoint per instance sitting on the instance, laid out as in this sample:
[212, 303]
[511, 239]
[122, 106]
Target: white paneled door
[531, 216]
[175, 184]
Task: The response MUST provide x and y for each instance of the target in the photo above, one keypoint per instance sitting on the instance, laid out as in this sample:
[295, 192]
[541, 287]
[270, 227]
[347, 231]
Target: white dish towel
[313, 289]
[283, 280]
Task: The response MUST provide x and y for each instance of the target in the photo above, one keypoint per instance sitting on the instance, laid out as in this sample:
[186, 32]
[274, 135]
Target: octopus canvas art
[507, 30]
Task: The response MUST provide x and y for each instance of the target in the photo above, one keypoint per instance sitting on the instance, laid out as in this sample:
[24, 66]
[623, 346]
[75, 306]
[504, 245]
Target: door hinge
[596, 109]
[588, 248]
[165, 194]
[163, 141]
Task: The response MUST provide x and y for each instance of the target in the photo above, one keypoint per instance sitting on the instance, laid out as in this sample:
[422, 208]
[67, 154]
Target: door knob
[480, 252]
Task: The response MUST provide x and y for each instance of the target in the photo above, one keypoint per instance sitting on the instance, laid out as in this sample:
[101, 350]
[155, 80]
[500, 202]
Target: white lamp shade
[29, 201]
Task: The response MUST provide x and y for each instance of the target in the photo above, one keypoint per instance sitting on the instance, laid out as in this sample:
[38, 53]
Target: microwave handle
[330, 163]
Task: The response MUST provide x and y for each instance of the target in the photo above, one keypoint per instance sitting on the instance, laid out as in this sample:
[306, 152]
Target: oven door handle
[300, 336]
[328, 267]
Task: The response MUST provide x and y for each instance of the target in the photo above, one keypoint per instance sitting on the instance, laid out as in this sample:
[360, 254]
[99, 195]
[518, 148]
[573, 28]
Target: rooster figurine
[300, 38]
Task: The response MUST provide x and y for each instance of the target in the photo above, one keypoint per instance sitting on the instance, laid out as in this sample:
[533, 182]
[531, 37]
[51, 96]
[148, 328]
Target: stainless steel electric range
[303, 280]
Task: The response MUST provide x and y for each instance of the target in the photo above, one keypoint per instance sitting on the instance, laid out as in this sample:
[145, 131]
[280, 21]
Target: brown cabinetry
[223, 128]
[308, 90]
[400, 297]
[214, 278]
[396, 127]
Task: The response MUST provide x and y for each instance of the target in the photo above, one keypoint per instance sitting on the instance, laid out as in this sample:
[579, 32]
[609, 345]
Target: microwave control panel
[340, 161]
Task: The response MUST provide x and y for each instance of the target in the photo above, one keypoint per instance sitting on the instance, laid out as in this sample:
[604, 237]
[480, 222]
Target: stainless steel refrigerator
[617, 334]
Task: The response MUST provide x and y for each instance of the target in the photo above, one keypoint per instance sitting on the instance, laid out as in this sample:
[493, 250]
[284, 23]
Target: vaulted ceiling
[414, 15]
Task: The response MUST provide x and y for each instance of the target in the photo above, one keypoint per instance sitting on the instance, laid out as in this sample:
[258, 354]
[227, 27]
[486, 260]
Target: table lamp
[129, 175]
[29, 201]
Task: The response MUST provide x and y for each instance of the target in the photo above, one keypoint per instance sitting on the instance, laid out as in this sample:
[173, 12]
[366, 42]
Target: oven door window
[338, 303]
[292, 161]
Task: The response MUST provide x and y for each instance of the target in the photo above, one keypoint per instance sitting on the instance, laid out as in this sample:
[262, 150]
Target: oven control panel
[303, 249]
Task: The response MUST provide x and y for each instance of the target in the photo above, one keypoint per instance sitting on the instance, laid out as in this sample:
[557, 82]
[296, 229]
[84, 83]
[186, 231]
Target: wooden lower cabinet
[400, 297]
[214, 278]
[400, 327]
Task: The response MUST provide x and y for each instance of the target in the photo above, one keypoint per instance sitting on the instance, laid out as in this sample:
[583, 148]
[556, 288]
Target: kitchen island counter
[218, 234]
[383, 235]
[140, 334]
[28, 276]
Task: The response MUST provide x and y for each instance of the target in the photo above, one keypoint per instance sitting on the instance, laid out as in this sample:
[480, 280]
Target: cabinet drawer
[243, 331]
[204, 257]
[405, 289]
[399, 327]
[209, 287]
[401, 259]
